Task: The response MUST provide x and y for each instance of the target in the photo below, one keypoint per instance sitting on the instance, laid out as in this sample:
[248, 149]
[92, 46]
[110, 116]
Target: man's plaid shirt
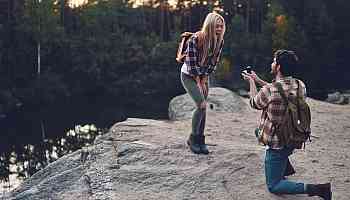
[192, 59]
[272, 105]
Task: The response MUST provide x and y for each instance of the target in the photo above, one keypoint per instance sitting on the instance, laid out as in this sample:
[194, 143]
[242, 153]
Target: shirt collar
[284, 79]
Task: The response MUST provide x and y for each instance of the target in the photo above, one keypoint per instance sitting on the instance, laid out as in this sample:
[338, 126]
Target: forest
[121, 50]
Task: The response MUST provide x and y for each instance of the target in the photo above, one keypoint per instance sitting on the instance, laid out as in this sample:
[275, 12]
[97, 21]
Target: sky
[75, 3]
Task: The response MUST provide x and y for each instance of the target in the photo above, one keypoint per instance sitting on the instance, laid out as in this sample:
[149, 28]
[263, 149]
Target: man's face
[219, 27]
[274, 67]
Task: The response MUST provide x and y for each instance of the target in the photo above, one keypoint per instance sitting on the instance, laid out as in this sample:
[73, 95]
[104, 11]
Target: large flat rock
[148, 159]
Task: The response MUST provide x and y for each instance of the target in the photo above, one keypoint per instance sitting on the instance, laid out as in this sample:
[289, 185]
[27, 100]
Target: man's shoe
[193, 143]
[203, 146]
[321, 190]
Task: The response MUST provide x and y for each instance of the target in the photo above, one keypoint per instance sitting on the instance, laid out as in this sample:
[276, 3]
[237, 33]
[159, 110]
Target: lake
[32, 138]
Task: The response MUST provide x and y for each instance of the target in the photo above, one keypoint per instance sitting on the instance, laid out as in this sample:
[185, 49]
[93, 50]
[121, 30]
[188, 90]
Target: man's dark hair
[288, 61]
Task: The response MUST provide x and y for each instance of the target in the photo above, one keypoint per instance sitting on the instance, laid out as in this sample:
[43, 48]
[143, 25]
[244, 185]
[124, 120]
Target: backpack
[181, 51]
[295, 128]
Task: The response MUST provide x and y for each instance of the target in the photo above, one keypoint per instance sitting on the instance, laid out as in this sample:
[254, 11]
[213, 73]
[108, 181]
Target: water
[30, 138]
[21, 160]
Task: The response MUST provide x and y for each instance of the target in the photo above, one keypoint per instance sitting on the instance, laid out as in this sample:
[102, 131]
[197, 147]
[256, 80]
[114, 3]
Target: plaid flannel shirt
[192, 59]
[272, 105]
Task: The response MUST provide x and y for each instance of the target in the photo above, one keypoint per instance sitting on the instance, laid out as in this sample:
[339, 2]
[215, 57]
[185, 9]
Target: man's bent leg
[275, 166]
[289, 169]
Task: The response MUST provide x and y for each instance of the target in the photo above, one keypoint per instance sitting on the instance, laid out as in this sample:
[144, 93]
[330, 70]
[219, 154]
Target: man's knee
[273, 189]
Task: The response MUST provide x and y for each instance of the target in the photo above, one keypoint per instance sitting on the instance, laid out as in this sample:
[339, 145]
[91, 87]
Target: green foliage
[112, 48]
[224, 69]
[286, 34]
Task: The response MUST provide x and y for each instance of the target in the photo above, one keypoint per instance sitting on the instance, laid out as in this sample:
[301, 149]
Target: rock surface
[219, 100]
[148, 159]
[338, 98]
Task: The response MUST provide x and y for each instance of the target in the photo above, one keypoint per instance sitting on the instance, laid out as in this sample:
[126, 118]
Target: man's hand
[255, 77]
[248, 77]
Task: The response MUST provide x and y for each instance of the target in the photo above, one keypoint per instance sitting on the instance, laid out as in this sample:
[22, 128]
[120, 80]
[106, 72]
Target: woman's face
[219, 27]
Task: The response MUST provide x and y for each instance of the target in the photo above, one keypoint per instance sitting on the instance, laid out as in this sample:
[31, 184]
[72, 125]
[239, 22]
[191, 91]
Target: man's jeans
[275, 166]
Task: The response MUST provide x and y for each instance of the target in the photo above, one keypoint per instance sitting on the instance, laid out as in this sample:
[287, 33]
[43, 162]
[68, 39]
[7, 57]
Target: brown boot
[321, 190]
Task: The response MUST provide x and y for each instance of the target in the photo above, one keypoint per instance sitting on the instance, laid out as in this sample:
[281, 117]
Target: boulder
[338, 98]
[219, 100]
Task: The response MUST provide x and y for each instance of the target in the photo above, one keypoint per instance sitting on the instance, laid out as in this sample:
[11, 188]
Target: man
[269, 100]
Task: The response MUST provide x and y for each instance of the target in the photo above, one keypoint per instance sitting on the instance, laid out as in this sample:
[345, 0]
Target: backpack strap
[284, 97]
[180, 51]
[281, 91]
[298, 87]
[200, 37]
[298, 104]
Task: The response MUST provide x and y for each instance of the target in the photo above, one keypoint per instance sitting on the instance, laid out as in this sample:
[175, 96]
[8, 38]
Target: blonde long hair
[211, 40]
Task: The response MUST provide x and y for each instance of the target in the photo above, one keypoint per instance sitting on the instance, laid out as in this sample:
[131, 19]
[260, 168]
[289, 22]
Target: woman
[202, 55]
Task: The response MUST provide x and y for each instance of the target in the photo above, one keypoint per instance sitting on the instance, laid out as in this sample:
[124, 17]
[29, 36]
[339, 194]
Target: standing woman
[202, 55]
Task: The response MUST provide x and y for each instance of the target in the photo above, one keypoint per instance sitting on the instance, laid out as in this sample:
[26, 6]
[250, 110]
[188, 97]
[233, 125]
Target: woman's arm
[191, 58]
[212, 67]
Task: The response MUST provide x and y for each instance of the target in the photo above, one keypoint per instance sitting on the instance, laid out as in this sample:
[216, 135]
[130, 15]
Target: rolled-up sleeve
[261, 99]
[303, 89]
[191, 58]
[212, 67]
[219, 54]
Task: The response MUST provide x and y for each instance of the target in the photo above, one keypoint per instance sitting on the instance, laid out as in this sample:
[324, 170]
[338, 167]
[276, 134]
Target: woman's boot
[203, 146]
[193, 143]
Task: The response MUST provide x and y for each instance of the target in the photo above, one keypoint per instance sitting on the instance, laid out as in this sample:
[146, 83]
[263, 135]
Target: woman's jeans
[275, 165]
[199, 115]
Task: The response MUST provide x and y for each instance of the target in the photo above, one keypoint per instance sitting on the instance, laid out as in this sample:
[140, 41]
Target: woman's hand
[199, 85]
[203, 83]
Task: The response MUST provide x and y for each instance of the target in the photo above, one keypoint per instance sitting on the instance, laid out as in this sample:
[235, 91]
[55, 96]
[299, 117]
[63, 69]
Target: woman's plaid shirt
[272, 105]
[193, 56]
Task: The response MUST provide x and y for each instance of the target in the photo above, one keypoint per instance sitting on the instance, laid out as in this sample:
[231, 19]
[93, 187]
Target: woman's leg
[275, 166]
[204, 116]
[203, 146]
[193, 90]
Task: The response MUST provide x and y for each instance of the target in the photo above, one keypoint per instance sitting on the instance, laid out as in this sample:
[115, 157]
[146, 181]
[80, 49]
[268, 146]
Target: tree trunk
[248, 15]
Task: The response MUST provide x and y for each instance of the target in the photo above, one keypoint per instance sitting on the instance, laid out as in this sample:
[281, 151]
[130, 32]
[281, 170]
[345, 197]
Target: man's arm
[258, 100]
[257, 79]
[253, 91]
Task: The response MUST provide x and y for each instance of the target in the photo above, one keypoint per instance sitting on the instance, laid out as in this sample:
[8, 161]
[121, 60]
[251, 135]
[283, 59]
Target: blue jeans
[275, 165]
